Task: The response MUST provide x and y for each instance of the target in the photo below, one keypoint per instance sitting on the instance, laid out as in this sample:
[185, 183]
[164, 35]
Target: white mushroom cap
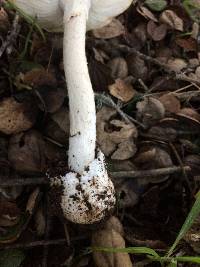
[87, 198]
[50, 12]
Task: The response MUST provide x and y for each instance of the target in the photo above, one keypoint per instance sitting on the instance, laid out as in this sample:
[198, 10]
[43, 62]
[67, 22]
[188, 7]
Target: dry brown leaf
[191, 113]
[145, 12]
[150, 110]
[110, 237]
[188, 44]
[39, 77]
[171, 103]
[153, 157]
[197, 72]
[122, 90]
[4, 20]
[26, 152]
[9, 213]
[156, 32]
[113, 29]
[111, 133]
[119, 67]
[57, 127]
[125, 150]
[137, 67]
[176, 64]
[16, 117]
[170, 18]
[52, 99]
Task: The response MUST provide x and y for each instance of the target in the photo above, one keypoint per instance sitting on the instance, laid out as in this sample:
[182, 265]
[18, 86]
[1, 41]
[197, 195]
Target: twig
[120, 174]
[149, 173]
[41, 243]
[47, 231]
[23, 181]
[12, 36]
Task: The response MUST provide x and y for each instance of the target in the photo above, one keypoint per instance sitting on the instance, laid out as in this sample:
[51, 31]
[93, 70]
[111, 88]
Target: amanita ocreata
[88, 192]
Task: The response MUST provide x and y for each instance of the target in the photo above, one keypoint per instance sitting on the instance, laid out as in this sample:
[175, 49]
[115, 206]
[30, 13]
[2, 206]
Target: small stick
[149, 173]
[120, 174]
[23, 181]
[12, 36]
[40, 243]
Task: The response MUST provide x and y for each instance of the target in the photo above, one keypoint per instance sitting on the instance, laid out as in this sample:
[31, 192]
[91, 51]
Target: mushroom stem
[82, 140]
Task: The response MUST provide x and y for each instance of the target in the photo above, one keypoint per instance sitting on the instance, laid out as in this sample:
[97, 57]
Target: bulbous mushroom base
[89, 197]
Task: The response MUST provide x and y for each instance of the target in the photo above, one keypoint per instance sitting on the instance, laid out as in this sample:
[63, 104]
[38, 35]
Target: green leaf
[194, 212]
[132, 250]
[11, 258]
[156, 5]
[188, 259]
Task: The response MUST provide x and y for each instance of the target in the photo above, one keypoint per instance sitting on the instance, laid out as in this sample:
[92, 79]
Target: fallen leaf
[125, 150]
[137, 67]
[156, 32]
[170, 102]
[113, 29]
[110, 237]
[145, 12]
[9, 213]
[119, 67]
[4, 20]
[52, 99]
[26, 152]
[150, 110]
[110, 132]
[40, 77]
[170, 18]
[16, 117]
[189, 112]
[122, 90]
[176, 64]
[188, 44]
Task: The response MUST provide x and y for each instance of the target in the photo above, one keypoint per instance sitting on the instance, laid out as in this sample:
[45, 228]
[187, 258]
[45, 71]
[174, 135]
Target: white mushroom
[88, 192]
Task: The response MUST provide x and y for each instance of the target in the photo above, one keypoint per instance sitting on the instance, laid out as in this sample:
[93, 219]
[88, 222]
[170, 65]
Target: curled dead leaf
[111, 30]
[16, 117]
[4, 20]
[170, 18]
[39, 77]
[145, 12]
[9, 213]
[150, 110]
[57, 127]
[156, 32]
[122, 90]
[112, 133]
[171, 103]
[176, 64]
[110, 237]
[153, 157]
[119, 67]
[26, 152]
